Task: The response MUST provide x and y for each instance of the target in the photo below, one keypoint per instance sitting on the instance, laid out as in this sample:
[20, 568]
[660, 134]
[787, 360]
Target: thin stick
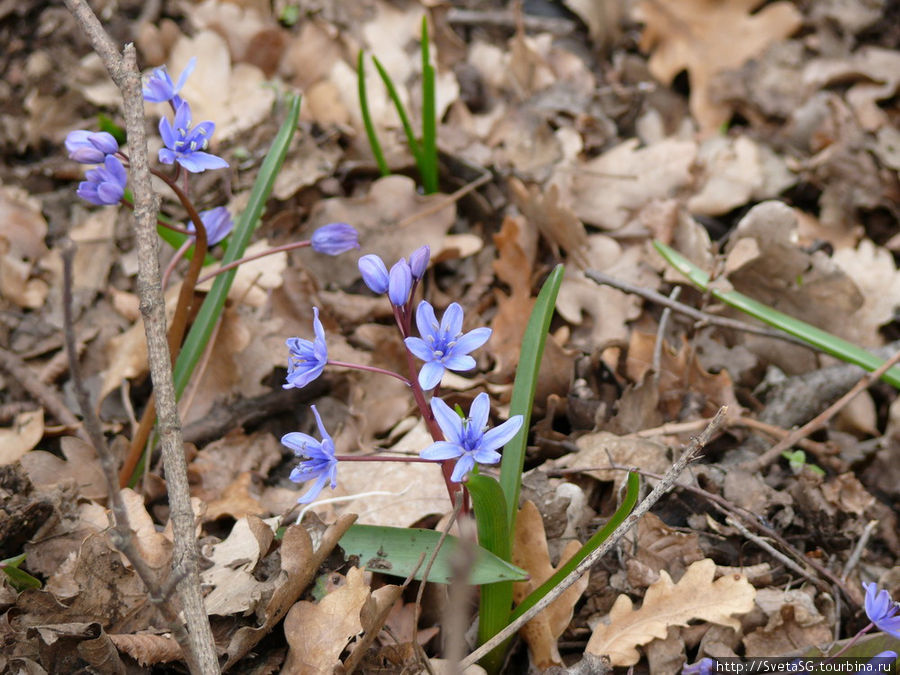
[771, 550]
[660, 335]
[687, 310]
[201, 654]
[44, 394]
[853, 560]
[121, 535]
[585, 565]
[821, 419]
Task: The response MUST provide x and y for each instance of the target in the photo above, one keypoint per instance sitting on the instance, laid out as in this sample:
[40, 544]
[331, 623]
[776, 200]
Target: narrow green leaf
[633, 485]
[374, 143]
[428, 166]
[395, 551]
[820, 339]
[18, 579]
[411, 141]
[493, 534]
[523, 390]
[211, 308]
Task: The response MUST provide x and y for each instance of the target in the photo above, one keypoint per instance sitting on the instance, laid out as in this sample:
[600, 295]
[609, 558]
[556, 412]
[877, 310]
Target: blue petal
[419, 348]
[501, 435]
[322, 431]
[430, 375]
[451, 322]
[479, 411]
[459, 362]
[471, 340]
[318, 329]
[314, 491]
[449, 422]
[300, 443]
[167, 132]
[166, 156]
[198, 162]
[441, 450]
[426, 320]
[463, 466]
[188, 69]
[483, 456]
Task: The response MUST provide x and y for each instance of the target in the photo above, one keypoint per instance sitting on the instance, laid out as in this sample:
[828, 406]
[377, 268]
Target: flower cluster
[441, 345]
[103, 185]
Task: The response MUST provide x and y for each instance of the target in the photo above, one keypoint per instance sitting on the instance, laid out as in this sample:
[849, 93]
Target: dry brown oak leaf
[706, 37]
[695, 596]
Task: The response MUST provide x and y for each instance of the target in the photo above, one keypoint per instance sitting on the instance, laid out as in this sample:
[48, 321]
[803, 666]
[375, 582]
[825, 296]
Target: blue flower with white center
[218, 224]
[159, 87]
[90, 147]
[186, 145]
[882, 610]
[443, 346]
[469, 439]
[320, 462]
[105, 184]
[308, 357]
[334, 239]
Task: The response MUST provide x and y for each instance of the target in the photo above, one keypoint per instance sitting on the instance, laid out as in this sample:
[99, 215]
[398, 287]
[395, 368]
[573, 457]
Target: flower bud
[418, 261]
[90, 147]
[335, 238]
[374, 273]
[400, 283]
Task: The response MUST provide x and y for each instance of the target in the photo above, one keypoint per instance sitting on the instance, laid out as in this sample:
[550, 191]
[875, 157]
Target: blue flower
[443, 346]
[703, 667]
[105, 184]
[159, 87]
[90, 147]
[374, 273]
[218, 224]
[308, 357]
[335, 238]
[418, 261]
[882, 610]
[185, 145]
[467, 438]
[320, 462]
[399, 283]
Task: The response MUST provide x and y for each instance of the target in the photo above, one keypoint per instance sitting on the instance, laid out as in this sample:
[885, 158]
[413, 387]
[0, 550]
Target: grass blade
[428, 166]
[523, 390]
[212, 306]
[411, 141]
[816, 337]
[374, 144]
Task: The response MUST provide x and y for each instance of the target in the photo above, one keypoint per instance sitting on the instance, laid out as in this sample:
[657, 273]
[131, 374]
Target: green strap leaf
[816, 337]
[198, 337]
[396, 550]
[374, 143]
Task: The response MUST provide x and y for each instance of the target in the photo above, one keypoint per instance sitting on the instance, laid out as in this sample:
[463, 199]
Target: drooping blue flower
[703, 667]
[159, 87]
[218, 224]
[105, 184]
[443, 346]
[90, 147]
[469, 439]
[882, 610]
[418, 261]
[335, 238]
[399, 283]
[186, 145]
[320, 462]
[374, 273]
[880, 663]
[308, 357]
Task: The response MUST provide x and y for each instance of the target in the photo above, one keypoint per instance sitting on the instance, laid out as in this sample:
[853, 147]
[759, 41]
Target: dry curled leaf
[695, 596]
[530, 552]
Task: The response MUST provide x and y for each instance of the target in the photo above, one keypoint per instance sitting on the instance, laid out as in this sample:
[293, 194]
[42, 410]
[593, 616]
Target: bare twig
[121, 535]
[771, 550]
[123, 71]
[853, 560]
[821, 419]
[44, 394]
[687, 310]
[585, 565]
[661, 335]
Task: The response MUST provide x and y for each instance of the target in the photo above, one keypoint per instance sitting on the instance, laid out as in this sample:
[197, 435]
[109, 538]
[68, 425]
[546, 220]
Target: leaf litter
[759, 139]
